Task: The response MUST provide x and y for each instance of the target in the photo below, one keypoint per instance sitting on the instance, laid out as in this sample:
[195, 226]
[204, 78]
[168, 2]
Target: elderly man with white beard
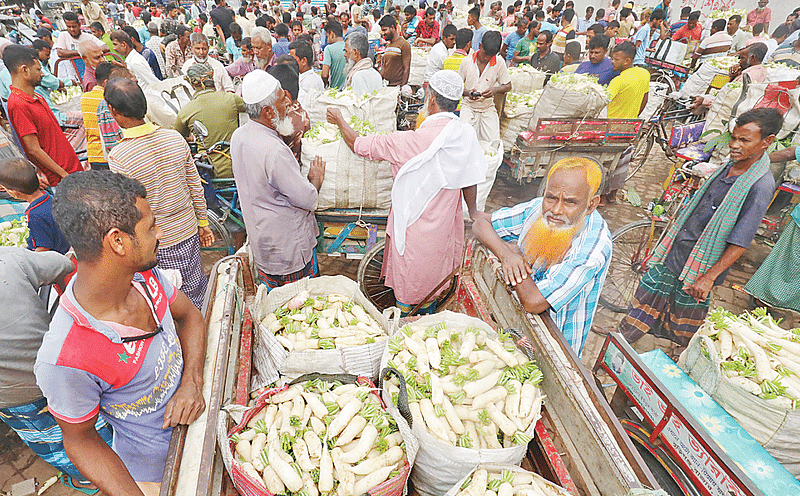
[278, 203]
[261, 41]
[555, 250]
[222, 82]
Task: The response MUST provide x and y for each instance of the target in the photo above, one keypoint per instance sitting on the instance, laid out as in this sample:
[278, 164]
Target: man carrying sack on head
[432, 168]
[711, 233]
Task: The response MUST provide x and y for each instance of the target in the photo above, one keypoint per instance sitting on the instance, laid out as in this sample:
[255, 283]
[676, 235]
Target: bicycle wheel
[223, 241]
[641, 150]
[371, 284]
[662, 77]
[633, 244]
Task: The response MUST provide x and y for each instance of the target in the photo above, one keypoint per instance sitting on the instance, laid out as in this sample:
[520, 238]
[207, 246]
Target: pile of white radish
[321, 438]
[469, 389]
[485, 482]
[756, 354]
[322, 323]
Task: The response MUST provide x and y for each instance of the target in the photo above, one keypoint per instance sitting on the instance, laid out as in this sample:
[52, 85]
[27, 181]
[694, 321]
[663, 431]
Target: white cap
[448, 84]
[258, 85]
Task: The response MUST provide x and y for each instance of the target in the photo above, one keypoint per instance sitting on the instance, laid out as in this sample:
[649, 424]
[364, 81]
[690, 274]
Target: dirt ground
[18, 463]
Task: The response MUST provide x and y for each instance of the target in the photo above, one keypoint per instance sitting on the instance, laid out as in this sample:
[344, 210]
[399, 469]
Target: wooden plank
[245, 357]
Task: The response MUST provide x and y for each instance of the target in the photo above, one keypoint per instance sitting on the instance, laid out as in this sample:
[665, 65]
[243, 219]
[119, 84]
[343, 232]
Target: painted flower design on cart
[671, 370]
[760, 469]
[694, 395]
[712, 424]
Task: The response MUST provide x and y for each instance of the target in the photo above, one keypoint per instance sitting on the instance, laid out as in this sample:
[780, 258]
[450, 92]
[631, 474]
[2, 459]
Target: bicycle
[222, 197]
[635, 243]
[672, 111]
[407, 106]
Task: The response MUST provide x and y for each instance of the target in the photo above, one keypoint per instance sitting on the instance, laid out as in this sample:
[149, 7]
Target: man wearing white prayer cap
[433, 167]
[277, 201]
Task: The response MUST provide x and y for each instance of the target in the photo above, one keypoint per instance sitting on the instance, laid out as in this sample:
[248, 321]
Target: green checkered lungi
[660, 306]
[777, 281]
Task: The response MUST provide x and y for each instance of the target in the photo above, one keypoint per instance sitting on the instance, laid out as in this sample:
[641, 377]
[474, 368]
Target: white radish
[486, 367]
[416, 414]
[258, 444]
[313, 444]
[394, 439]
[508, 427]
[467, 344]
[247, 435]
[364, 444]
[317, 407]
[725, 344]
[253, 473]
[325, 471]
[372, 480]
[505, 489]
[477, 487]
[347, 482]
[434, 354]
[527, 396]
[272, 481]
[309, 487]
[452, 417]
[474, 388]
[344, 416]
[352, 430]
[290, 478]
[495, 394]
[437, 393]
[388, 459]
[317, 425]
[435, 426]
[302, 457]
[503, 354]
[243, 449]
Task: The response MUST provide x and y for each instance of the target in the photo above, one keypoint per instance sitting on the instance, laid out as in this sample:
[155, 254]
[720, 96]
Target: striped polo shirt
[89, 102]
[161, 160]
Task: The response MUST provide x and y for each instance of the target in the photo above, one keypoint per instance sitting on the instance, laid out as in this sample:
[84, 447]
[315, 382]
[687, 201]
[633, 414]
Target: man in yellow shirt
[463, 44]
[89, 103]
[628, 93]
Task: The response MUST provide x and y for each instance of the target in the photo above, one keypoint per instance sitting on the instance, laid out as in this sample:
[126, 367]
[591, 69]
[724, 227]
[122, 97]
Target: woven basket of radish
[323, 325]
[322, 435]
[751, 367]
[473, 396]
[505, 480]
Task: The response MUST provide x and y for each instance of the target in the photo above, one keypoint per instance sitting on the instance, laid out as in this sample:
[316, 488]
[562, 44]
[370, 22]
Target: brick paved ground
[18, 463]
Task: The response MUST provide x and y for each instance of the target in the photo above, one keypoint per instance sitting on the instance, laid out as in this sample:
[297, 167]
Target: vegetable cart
[350, 232]
[601, 140]
[677, 424]
[579, 444]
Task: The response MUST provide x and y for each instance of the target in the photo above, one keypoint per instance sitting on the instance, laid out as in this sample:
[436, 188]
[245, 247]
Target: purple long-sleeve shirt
[277, 201]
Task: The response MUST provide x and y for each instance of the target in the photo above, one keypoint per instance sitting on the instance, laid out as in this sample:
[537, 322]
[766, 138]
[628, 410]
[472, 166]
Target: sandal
[67, 481]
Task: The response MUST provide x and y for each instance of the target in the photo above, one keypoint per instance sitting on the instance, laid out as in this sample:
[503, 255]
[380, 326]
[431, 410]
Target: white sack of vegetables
[473, 396]
[505, 480]
[318, 437]
[570, 96]
[14, 233]
[419, 61]
[525, 79]
[751, 367]
[378, 107]
[324, 325]
[350, 181]
[517, 116]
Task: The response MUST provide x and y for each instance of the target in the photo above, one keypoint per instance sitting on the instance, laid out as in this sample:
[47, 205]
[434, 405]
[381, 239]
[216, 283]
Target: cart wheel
[641, 149]
[371, 284]
[669, 475]
[632, 243]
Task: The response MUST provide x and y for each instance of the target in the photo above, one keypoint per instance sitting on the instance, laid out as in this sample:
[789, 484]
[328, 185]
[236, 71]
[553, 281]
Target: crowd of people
[132, 213]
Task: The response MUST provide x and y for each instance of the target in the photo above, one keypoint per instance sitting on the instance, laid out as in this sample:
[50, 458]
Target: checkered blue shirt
[573, 286]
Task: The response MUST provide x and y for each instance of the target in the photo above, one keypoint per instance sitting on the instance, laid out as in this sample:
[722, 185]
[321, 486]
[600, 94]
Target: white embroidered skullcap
[258, 85]
[448, 84]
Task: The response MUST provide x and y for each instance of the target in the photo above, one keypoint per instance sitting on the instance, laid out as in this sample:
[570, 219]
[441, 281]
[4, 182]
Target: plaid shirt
[571, 287]
[425, 31]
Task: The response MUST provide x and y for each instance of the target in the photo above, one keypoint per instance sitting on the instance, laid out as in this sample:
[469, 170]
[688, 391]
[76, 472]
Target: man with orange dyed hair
[555, 250]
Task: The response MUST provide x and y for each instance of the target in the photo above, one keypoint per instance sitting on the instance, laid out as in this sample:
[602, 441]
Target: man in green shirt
[526, 46]
[217, 110]
[333, 59]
